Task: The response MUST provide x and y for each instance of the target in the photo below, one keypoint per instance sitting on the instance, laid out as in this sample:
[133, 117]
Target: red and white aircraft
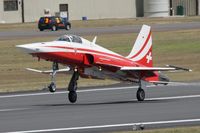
[89, 60]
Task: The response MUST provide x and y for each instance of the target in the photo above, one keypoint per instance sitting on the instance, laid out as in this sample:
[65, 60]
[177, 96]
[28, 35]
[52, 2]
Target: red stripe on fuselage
[121, 61]
[126, 62]
[89, 50]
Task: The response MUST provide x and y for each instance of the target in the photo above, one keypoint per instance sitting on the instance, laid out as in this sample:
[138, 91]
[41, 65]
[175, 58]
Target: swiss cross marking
[149, 57]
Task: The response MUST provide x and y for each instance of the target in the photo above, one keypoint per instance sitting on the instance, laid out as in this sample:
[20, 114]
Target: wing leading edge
[49, 71]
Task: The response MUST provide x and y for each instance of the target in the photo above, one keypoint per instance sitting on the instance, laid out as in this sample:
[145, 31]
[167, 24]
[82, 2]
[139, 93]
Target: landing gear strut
[140, 93]
[73, 87]
[52, 86]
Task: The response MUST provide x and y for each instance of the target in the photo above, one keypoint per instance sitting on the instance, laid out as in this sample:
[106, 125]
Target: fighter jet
[89, 60]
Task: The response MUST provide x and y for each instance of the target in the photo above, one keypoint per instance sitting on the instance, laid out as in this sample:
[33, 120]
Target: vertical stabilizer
[142, 49]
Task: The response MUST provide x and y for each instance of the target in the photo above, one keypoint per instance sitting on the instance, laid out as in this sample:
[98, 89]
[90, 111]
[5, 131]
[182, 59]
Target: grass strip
[180, 48]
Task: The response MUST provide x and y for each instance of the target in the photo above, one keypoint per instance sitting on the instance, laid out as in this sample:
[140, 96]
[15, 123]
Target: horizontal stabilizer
[179, 68]
[166, 83]
[49, 71]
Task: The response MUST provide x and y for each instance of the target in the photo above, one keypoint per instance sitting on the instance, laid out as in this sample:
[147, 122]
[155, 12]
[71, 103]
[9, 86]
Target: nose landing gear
[52, 86]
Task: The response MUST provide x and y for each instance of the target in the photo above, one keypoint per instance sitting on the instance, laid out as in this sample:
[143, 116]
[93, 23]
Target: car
[54, 23]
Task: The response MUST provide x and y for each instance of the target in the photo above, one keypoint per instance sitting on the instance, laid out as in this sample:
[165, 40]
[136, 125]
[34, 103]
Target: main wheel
[52, 87]
[72, 96]
[140, 94]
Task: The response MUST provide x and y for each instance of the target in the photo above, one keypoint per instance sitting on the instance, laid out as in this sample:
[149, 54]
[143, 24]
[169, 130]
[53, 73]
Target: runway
[14, 34]
[101, 109]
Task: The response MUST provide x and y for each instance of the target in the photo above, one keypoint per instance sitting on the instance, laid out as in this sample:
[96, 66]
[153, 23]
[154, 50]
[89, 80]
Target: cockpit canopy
[70, 38]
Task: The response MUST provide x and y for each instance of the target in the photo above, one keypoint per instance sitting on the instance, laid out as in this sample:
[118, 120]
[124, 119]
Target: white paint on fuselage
[51, 47]
[86, 47]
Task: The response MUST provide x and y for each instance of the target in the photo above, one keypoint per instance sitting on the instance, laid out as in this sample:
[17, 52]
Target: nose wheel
[52, 87]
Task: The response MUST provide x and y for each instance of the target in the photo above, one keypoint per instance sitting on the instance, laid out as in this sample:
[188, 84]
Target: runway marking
[16, 109]
[89, 90]
[175, 97]
[109, 126]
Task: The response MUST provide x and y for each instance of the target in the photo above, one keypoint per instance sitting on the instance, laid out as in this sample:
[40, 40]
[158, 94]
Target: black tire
[41, 29]
[52, 87]
[68, 27]
[72, 96]
[54, 28]
[140, 94]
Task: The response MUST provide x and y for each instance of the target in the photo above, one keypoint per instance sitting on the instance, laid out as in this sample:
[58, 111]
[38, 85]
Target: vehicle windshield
[70, 38]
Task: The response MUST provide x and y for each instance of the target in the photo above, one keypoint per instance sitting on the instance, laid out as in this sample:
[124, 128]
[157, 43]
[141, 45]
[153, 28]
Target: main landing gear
[52, 86]
[73, 87]
[140, 93]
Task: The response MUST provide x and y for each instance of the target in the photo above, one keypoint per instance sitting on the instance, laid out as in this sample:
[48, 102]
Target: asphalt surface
[101, 109]
[97, 31]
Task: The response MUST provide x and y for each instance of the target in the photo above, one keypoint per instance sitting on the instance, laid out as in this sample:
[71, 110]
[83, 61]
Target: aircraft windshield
[76, 39]
[64, 38]
[70, 38]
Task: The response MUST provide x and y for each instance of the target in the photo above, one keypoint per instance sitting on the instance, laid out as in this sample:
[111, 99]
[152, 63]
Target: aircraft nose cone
[21, 46]
[26, 48]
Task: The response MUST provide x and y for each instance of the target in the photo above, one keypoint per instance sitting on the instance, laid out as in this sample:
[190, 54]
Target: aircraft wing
[170, 68]
[147, 68]
[49, 71]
